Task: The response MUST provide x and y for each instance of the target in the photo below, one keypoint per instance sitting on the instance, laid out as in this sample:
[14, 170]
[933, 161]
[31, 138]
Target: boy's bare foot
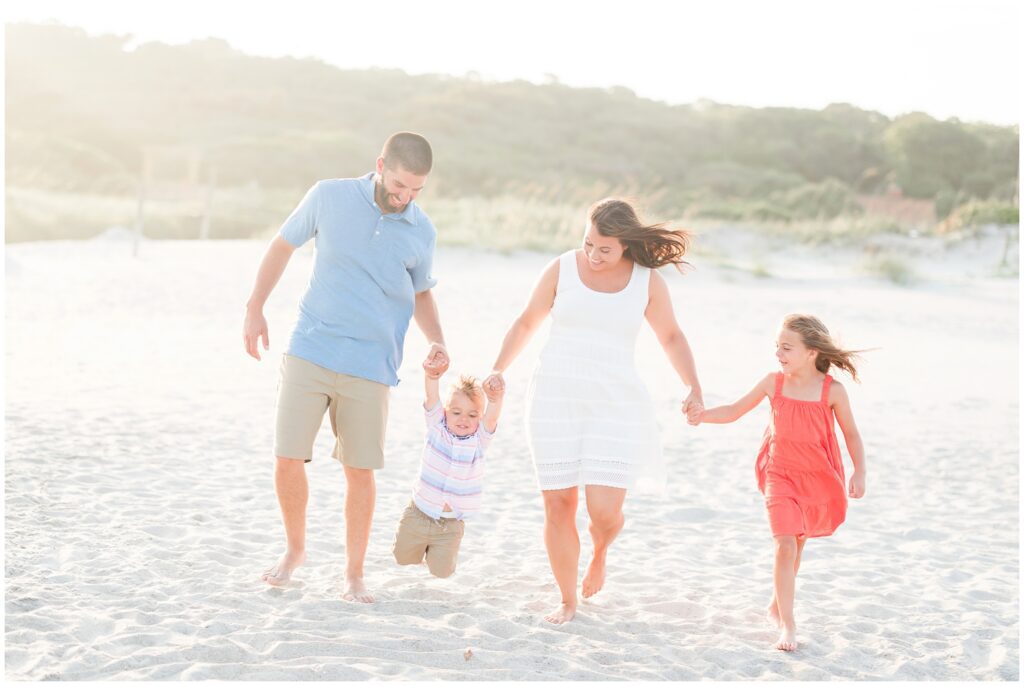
[563, 614]
[594, 580]
[356, 592]
[281, 572]
[773, 614]
[787, 639]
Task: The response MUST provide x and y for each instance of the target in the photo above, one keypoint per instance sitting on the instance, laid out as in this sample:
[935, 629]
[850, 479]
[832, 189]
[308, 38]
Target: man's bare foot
[356, 592]
[773, 614]
[787, 639]
[594, 580]
[563, 614]
[281, 572]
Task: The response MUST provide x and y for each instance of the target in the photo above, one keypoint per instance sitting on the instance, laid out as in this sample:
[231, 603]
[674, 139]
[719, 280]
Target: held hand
[437, 361]
[693, 408]
[494, 387]
[253, 329]
[857, 485]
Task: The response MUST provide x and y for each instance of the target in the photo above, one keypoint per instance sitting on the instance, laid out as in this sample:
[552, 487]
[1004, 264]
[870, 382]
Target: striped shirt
[452, 469]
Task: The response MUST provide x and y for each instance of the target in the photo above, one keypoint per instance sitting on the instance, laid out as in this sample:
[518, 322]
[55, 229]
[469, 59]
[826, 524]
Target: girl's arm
[840, 402]
[662, 319]
[526, 324]
[723, 414]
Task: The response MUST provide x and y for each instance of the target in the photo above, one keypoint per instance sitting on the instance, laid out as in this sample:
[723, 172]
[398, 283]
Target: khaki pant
[358, 409]
[437, 540]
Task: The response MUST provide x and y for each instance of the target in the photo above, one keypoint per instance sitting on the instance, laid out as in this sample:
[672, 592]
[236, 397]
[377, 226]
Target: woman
[590, 420]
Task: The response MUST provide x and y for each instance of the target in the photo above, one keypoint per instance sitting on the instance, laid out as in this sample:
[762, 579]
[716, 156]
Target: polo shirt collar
[408, 215]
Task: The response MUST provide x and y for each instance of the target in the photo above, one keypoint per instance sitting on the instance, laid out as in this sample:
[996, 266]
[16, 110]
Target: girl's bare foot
[356, 591]
[281, 572]
[787, 639]
[563, 614]
[594, 580]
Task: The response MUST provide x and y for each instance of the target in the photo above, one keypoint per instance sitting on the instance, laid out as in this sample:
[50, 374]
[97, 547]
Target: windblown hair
[411, 151]
[815, 336]
[650, 245]
[471, 387]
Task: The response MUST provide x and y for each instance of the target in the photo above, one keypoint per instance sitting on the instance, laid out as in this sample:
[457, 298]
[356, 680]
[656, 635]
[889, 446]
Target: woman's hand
[693, 407]
[494, 386]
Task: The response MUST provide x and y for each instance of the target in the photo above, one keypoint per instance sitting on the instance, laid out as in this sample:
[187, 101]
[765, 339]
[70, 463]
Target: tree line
[81, 109]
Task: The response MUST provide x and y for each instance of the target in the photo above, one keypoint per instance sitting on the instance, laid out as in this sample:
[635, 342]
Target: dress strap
[567, 271]
[779, 378]
[824, 388]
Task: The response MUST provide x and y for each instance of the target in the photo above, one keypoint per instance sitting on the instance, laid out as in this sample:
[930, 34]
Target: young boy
[451, 473]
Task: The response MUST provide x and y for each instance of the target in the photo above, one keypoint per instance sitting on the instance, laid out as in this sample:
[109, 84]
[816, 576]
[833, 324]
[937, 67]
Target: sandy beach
[140, 506]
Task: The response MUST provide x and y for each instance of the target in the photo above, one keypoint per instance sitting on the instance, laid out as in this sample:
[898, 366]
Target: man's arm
[429, 321]
[255, 327]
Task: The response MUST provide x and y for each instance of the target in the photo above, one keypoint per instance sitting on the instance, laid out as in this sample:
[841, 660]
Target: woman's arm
[529, 320]
[662, 318]
[840, 403]
[724, 414]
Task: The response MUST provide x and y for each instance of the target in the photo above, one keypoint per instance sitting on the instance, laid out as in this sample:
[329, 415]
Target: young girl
[799, 467]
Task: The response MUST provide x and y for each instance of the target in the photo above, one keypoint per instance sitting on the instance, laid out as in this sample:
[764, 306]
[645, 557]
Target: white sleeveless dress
[589, 417]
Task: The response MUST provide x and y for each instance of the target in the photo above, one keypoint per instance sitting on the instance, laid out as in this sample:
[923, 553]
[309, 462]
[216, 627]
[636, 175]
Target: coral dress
[799, 468]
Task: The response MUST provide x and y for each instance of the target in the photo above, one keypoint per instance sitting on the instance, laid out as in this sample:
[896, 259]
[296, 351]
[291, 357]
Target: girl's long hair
[816, 337]
[650, 245]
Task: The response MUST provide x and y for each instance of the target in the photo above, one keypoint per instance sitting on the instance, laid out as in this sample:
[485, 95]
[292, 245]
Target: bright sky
[950, 58]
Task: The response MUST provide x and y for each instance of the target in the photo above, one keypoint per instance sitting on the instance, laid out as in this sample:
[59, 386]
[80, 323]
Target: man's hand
[429, 371]
[437, 361]
[255, 328]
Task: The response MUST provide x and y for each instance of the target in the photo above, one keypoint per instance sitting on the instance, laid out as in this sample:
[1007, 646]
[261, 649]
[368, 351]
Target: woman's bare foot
[281, 572]
[773, 613]
[563, 614]
[356, 592]
[594, 580]
[787, 639]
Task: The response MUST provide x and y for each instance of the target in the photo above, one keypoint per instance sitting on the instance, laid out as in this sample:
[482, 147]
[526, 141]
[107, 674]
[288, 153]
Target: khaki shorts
[358, 410]
[437, 540]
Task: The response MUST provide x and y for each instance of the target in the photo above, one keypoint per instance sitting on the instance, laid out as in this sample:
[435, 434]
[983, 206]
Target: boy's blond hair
[469, 386]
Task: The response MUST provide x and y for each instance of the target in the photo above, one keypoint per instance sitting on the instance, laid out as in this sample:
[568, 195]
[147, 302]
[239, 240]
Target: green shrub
[977, 213]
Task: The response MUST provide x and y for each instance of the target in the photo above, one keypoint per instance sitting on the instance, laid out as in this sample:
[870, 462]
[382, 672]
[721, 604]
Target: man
[371, 274]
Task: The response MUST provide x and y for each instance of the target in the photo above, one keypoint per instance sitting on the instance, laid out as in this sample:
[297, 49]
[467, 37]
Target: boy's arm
[854, 444]
[491, 415]
[723, 414]
[495, 395]
[432, 395]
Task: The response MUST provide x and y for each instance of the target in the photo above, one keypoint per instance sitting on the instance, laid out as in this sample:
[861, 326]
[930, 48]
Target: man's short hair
[409, 150]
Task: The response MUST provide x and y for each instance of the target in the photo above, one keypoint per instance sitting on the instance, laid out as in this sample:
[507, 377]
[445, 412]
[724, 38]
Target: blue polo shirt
[367, 269]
